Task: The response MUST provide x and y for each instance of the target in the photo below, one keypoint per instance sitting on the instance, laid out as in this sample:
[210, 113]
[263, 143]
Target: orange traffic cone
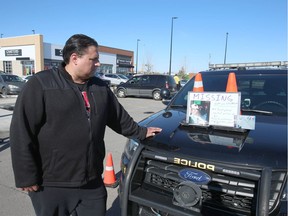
[198, 84]
[109, 174]
[231, 83]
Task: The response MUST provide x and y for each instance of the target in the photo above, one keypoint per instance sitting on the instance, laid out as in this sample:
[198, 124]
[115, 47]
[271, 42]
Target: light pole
[226, 48]
[33, 31]
[137, 56]
[1, 35]
[171, 44]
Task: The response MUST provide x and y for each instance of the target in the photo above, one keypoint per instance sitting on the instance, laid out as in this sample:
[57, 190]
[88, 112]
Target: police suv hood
[264, 146]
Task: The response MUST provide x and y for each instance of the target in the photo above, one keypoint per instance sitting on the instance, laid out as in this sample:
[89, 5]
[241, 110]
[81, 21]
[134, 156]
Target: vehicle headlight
[13, 86]
[285, 194]
[283, 201]
[129, 150]
[131, 147]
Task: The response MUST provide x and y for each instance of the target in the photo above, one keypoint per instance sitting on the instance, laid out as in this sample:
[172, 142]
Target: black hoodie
[53, 143]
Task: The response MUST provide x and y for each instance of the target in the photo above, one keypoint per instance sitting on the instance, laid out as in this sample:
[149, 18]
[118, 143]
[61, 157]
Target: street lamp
[1, 35]
[33, 31]
[226, 48]
[137, 56]
[171, 44]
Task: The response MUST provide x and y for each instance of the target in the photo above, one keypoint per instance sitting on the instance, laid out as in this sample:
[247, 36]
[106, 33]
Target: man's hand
[31, 188]
[151, 131]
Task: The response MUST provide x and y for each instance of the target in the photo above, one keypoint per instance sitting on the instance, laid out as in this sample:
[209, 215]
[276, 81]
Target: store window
[123, 70]
[105, 68]
[7, 66]
[28, 68]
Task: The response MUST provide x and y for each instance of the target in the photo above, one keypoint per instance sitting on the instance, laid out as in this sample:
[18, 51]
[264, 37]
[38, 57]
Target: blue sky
[257, 29]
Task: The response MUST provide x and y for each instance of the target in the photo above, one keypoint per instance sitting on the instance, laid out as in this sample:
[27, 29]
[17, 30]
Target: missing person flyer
[213, 108]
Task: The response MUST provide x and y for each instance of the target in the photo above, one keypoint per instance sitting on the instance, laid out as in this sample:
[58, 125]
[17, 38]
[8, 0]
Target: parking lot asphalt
[14, 202]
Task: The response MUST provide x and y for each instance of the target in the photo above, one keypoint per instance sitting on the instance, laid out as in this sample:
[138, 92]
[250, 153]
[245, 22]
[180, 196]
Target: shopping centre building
[28, 54]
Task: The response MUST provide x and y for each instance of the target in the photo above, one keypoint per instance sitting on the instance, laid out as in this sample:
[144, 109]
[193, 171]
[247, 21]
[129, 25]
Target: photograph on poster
[199, 112]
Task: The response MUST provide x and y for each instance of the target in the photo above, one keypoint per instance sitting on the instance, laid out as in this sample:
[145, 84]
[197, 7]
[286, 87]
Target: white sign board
[244, 121]
[213, 108]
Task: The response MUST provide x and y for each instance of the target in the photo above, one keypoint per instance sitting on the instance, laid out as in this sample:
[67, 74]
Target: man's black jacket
[53, 143]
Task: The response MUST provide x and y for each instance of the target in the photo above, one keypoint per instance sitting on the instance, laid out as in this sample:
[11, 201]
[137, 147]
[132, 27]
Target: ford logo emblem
[196, 176]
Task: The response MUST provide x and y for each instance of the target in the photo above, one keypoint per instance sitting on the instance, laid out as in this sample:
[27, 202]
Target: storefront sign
[123, 61]
[58, 52]
[13, 52]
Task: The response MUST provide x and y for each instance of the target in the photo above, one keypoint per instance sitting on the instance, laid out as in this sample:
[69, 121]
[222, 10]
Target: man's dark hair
[78, 44]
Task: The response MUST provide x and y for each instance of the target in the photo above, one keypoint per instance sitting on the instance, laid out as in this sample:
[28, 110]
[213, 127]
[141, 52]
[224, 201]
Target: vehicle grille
[225, 194]
[222, 192]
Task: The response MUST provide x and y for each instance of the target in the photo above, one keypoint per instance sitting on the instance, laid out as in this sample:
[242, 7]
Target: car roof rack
[244, 66]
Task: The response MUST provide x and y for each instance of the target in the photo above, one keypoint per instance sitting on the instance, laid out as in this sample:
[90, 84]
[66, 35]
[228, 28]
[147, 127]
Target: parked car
[115, 79]
[27, 77]
[207, 170]
[129, 75]
[148, 85]
[10, 84]
[101, 76]
[183, 82]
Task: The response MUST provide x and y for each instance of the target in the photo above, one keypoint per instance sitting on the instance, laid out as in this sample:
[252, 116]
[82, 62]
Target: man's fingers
[30, 189]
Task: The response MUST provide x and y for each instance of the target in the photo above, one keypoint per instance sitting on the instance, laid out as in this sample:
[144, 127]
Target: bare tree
[182, 72]
[148, 68]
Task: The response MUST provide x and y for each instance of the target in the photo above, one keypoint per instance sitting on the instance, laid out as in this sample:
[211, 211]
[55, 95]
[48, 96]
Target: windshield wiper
[258, 111]
[178, 105]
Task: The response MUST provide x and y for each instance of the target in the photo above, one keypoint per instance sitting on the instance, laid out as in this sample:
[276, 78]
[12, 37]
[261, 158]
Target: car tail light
[166, 85]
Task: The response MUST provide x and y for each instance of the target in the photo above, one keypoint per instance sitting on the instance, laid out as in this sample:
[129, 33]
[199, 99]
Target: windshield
[259, 92]
[122, 76]
[12, 78]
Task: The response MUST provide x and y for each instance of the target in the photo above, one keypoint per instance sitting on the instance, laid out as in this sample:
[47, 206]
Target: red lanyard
[86, 101]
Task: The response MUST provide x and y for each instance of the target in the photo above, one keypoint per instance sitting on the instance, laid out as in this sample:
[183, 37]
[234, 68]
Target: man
[177, 80]
[57, 133]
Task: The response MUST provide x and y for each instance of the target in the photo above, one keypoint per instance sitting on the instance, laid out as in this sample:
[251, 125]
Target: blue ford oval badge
[196, 176]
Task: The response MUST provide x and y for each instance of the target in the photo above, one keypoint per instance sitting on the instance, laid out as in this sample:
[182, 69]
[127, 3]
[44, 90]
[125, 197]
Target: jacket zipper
[87, 115]
[76, 90]
[90, 134]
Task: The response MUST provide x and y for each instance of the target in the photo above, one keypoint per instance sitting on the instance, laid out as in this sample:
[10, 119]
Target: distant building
[25, 55]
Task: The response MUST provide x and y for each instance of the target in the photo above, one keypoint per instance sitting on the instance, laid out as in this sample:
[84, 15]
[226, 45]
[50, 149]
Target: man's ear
[74, 58]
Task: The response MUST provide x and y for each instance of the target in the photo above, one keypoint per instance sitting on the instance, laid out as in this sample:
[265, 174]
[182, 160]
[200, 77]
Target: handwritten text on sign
[223, 106]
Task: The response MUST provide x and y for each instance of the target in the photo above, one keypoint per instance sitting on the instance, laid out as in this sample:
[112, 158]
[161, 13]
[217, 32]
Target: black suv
[205, 170]
[146, 86]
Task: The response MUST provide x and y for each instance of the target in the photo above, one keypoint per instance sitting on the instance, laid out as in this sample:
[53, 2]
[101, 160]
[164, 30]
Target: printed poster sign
[213, 108]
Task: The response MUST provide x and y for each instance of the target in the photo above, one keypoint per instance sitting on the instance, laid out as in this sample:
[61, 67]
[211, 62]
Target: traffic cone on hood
[198, 84]
[109, 174]
[231, 83]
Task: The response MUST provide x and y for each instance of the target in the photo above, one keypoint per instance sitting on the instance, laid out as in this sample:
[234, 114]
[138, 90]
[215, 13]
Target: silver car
[115, 79]
[10, 84]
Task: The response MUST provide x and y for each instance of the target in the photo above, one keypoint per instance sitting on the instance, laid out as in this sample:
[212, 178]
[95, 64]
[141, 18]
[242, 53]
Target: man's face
[194, 109]
[87, 63]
